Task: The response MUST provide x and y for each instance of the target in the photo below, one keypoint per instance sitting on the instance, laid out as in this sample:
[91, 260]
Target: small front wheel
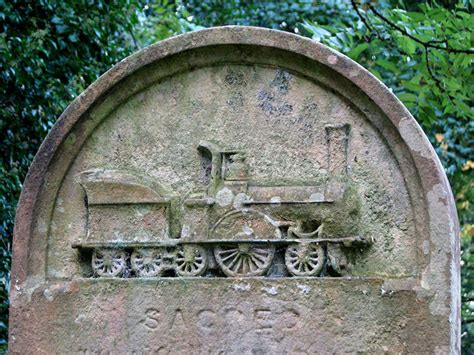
[304, 259]
[191, 260]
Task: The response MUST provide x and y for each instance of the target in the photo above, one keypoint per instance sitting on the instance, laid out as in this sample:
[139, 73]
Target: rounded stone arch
[430, 194]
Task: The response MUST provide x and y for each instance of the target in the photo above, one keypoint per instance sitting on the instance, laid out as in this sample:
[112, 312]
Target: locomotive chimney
[337, 140]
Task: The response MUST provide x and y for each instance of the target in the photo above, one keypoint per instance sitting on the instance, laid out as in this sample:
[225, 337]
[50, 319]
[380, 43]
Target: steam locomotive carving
[235, 227]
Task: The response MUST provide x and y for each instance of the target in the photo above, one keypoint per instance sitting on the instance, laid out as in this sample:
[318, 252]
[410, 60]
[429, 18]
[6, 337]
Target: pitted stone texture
[172, 316]
[190, 137]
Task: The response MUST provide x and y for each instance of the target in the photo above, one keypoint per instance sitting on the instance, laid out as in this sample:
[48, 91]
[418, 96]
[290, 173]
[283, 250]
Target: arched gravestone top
[241, 190]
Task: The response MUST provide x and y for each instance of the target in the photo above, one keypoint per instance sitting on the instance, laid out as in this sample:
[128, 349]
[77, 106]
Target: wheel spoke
[260, 251]
[228, 251]
[259, 257]
[229, 256]
[239, 264]
[246, 266]
[258, 263]
[234, 260]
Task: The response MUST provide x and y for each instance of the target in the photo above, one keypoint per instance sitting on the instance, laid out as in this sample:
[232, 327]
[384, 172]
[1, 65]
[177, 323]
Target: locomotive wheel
[147, 262]
[108, 262]
[191, 260]
[304, 259]
[244, 259]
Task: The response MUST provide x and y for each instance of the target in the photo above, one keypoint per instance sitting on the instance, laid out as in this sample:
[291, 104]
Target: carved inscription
[270, 323]
[227, 318]
[151, 319]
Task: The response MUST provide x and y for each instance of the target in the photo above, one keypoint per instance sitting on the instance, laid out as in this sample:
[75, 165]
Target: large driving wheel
[191, 260]
[147, 262]
[244, 259]
[108, 262]
[304, 259]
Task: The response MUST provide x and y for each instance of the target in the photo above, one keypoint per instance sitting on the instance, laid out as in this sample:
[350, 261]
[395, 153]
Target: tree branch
[438, 82]
[130, 31]
[426, 45]
[430, 70]
[375, 31]
[362, 18]
[430, 44]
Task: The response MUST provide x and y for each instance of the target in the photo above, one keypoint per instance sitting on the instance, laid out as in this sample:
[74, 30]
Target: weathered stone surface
[236, 190]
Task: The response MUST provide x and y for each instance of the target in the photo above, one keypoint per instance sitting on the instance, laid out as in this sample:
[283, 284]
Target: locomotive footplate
[174, 242]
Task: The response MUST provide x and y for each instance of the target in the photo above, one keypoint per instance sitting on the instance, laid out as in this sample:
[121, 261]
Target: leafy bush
[425, 56]
[50, 52]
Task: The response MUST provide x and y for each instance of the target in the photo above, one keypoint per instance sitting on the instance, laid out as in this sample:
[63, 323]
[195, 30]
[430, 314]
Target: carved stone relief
[242, 236]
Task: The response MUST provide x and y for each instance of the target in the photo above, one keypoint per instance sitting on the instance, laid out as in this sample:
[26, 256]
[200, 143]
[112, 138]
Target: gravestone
[236, 191]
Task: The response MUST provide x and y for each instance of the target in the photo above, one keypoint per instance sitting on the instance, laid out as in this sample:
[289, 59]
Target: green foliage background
[423, 50]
